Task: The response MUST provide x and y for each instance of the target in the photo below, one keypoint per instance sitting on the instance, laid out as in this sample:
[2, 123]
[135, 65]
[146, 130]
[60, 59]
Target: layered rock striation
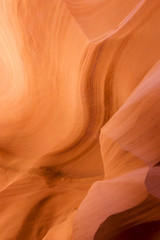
[79, 119]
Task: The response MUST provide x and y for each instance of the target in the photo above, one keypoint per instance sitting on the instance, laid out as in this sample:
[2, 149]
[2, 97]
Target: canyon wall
[79, 119]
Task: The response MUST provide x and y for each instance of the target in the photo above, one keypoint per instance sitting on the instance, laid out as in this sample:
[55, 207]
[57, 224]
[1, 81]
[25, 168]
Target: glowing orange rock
[79, 119]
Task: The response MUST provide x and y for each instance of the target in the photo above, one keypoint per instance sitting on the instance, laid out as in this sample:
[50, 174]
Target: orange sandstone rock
[79, 119]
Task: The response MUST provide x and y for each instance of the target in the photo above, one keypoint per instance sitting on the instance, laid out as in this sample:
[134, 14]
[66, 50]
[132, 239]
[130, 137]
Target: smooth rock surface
[79, 119]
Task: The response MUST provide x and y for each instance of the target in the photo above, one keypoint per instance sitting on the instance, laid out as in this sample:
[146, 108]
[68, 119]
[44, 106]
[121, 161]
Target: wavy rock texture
[79, 120]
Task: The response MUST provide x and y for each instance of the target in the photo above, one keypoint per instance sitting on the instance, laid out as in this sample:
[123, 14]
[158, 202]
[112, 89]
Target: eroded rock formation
[79, 120]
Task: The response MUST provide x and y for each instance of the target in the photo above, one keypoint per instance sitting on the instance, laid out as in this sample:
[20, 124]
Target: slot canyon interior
[79, 120]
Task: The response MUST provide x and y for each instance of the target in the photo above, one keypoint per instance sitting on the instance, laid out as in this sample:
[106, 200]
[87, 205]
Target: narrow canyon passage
[79, 119]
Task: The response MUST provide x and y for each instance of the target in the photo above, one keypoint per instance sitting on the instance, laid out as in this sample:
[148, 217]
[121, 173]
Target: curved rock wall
[79, 119]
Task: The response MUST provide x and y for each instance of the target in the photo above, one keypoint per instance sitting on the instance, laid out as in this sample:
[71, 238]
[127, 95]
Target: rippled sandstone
[79, 119]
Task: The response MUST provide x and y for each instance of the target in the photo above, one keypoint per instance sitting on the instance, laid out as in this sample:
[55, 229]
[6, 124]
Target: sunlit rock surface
[79, 120]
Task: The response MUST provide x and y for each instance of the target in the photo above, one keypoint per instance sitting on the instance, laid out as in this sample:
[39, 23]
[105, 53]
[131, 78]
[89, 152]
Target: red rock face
[79, 120]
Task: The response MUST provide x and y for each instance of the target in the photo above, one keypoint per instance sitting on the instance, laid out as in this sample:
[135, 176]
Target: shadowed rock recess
[79, 120]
